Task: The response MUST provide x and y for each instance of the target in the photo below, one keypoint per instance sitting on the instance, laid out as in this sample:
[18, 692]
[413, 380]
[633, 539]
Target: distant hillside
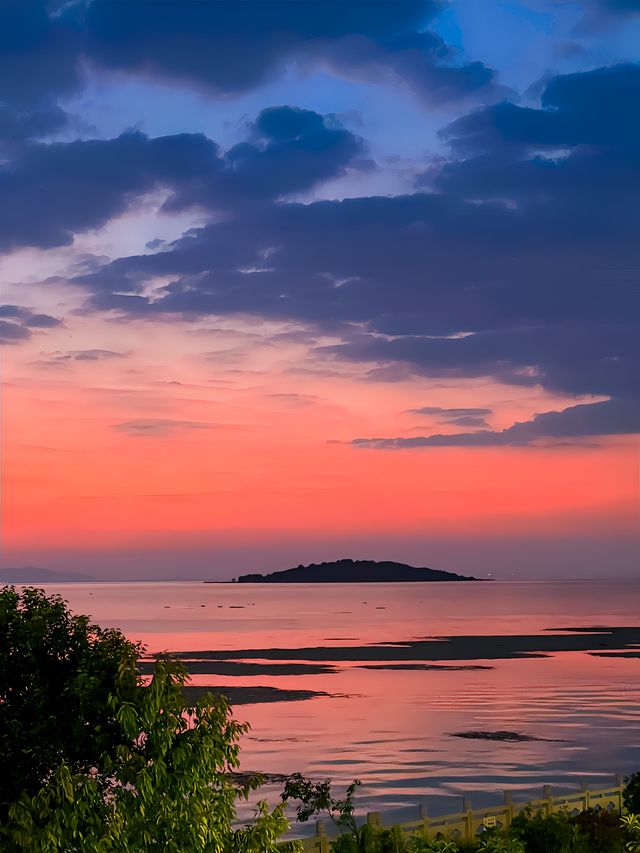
[354, 571]
[31, 574]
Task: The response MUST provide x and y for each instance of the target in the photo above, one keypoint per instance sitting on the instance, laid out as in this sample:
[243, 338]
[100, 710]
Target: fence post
[508, 801]
[423, 813]
[322, 842]
[621, 785]
[586, 798]
[373, 818]
[468, 821]
[547, 794]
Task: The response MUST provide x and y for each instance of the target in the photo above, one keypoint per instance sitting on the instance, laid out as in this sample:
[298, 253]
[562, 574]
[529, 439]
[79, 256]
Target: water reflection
[388, 719]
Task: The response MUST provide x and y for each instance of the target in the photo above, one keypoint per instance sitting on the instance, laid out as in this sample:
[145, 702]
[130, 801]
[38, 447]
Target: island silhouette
[355, 571]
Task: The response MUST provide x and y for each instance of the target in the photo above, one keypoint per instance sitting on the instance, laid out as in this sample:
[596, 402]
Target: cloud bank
[514, 257]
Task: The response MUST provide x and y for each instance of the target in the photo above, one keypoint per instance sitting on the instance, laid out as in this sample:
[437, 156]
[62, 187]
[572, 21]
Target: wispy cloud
[155, 427]
[467, 421]
[85, 355]
[452, 413]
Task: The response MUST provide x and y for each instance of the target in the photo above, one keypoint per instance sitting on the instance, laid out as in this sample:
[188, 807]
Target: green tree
[631, 793]
[57, 672]
[315, 798]
[168, 787]
[95, 758]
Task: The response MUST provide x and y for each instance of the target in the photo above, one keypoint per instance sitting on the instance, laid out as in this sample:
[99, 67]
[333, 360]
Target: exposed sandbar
[211, 666]
[460, 648]
[250, 695]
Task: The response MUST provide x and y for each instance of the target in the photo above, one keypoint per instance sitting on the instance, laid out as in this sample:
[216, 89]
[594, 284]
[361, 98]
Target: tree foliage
[158, 776]
[631, 824]
[542, 833]
[631, 793]
[168, 786]
[602, 830]
[315, 798]
[57, 672]
[590, 831]
[499, 842]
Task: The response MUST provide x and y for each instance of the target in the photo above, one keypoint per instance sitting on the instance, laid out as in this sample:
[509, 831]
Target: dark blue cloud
[49, 192]
[600, 13]
[13, 333]
[224, 47]
[593, 358]
[610, 417]
[590, 108]
[38, 53]
[16, 323]
[525, 239]
[413, 265]
[533, 256]
[290, 151]
[284, 124]
[618, 7]
[180, 35]
[18, 125]
[419, 60]
[228, 46]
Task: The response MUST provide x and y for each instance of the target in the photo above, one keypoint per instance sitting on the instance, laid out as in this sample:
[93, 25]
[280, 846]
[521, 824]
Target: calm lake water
[390, 725]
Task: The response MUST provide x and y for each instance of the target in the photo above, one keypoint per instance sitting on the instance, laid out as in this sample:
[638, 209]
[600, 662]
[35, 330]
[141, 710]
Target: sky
[285, 281]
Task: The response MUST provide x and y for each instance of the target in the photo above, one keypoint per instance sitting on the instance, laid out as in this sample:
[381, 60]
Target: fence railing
[469, 823]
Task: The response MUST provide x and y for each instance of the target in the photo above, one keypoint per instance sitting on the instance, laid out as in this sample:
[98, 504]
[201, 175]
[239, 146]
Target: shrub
[423, 845]
[600, 829]
[392, 840]
[499, 842]
[631, 826]
[547, 833]
[631, 793]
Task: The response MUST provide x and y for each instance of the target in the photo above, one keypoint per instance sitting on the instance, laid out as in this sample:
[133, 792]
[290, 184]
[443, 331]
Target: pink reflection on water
[392, 728]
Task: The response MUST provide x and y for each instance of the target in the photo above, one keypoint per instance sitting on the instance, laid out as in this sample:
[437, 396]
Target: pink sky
[207, 437]
[355, 281]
